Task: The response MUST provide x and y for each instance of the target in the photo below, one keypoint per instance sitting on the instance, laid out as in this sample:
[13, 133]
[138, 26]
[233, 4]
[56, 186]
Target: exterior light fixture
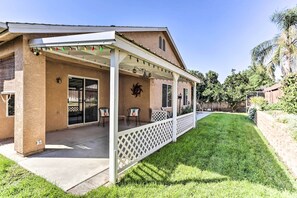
[59, 80]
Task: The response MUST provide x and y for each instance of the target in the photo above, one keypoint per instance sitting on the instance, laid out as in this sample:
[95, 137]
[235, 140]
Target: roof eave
[175, 47]
[56, 28]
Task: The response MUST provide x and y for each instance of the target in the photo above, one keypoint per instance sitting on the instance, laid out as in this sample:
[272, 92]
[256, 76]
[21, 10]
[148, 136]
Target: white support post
[194, 103]
[115, 59]
[174, 105]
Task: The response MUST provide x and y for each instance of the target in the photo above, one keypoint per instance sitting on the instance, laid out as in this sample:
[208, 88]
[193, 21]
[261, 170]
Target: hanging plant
[136, 90]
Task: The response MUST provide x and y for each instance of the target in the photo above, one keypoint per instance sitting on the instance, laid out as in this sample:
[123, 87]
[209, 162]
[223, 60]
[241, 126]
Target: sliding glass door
[91, 100]
[82, 100]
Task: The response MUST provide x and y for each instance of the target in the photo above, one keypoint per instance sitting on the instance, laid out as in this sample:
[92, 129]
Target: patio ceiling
[95, 48]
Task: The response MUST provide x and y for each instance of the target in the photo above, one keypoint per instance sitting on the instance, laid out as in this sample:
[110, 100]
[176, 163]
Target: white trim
[166, 96]
[7, 92]
[132, 130]
[6, 109]
[142, 127]
[190, 126]
[3, 25]
[113, 40]
[188, 129]
[84, 78]
[194, 105]
[58, 28]
[115, 59]
[184, 115]
[174, 105]
[102, 38]
[175, 47]
[144, 54]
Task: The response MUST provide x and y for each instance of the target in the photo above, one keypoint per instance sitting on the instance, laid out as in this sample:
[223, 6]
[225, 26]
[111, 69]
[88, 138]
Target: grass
[18, 182]
[224, 157]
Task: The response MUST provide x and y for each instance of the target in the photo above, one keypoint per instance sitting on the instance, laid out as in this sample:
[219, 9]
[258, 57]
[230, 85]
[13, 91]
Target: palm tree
[282, 49]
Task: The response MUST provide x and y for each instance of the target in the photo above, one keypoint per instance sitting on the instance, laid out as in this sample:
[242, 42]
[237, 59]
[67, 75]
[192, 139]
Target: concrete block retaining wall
[279, 138]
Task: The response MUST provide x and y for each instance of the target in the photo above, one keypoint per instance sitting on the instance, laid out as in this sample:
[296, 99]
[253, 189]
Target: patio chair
[134, 113]
[103, 114]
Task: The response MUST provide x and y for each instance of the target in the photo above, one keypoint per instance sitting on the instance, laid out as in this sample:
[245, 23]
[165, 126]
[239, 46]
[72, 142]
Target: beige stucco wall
[41, 103]
[127, 100]
[30, 73]
[156, 92]
[56, 94]
[7, 123]
[29, 87]
[151, 40]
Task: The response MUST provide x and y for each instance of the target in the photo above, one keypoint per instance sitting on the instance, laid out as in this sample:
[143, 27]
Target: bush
[289, 99]
[186, 110]
[258, 102]
[252, 113]
[272, 107]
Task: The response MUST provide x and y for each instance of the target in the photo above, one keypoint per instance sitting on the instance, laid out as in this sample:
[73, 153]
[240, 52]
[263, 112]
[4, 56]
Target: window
[162, 43]
[7, 69]
[166, 95]
[10, 105]
[185, 99]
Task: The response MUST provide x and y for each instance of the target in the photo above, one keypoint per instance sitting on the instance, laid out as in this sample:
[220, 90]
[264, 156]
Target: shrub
[258, 102]
[272, 107]
[289, 99]
[187, 109]
[252, 113]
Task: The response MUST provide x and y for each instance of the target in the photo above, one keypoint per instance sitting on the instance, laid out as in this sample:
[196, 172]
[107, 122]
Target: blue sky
[210, 34]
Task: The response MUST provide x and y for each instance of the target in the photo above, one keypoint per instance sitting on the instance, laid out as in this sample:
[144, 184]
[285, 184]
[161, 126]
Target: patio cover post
[194, 102]
[116, 57]
[174, 104]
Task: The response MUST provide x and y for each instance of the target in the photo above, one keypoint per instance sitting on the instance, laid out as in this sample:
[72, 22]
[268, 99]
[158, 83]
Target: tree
[235, 88]
[200, 87]
[282, 49]
[289, 98]
[213, 89]
[258, 77]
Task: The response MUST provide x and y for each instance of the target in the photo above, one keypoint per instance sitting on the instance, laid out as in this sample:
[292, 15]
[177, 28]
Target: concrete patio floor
[76, 159]
[71, 157]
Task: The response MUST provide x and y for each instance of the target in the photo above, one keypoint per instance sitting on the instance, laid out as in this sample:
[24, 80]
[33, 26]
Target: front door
[82, 100]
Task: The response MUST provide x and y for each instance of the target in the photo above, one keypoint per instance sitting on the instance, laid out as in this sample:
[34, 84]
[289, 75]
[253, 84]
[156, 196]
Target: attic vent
[162, 43]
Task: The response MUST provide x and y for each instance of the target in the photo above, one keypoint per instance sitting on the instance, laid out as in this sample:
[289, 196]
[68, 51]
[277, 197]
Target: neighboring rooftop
[273, 87]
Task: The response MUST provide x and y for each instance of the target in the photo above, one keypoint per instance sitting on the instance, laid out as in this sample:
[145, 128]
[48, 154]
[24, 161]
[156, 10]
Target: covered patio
[117, 55]
[76, 160]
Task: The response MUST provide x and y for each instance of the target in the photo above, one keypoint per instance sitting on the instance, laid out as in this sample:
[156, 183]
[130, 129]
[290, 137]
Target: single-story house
[54, 77]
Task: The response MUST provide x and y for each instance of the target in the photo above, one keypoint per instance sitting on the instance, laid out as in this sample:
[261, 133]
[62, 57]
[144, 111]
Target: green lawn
[224, 157]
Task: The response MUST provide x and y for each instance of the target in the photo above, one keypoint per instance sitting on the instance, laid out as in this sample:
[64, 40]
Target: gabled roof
[110, 40]
[35, 28]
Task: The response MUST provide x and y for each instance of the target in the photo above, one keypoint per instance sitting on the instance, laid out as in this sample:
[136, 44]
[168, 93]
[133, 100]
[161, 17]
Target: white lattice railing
[137, 143]
[158, 115]
[184, 123]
